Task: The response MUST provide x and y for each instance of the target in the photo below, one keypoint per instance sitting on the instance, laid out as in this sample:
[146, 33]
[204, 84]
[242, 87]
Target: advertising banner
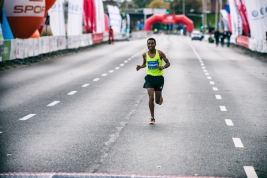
[114, 18]
[1, 49]
[57, 21]
[30, 47]
[75, 17]
[236, 22]
[20, 48]
[89, 18]
[6, 50]
[242, 41]
[26, 48]
[13, 49]
[97, 38]
[36, 46]
[243, 14]
[256, 18]
[100, 21]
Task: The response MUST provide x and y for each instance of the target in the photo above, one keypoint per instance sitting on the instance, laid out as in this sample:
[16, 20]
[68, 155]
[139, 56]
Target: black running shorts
[156, 82]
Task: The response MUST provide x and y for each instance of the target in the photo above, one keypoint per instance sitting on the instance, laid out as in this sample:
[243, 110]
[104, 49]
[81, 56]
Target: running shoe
[152, 121]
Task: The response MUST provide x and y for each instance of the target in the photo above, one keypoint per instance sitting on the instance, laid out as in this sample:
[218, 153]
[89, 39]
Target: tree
[177, 6]
[158, 4]
[142, 3]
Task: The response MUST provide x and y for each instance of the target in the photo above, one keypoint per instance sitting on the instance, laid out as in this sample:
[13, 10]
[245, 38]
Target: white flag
[75, 17]
[235, 19]
[100, 22]
[57, 21]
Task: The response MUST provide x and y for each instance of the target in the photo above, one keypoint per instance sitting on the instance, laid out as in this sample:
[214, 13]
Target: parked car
[197, 35]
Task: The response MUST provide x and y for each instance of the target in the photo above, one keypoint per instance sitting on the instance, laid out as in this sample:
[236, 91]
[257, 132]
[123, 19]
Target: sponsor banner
[97, 38]
[20, 48]
[13, 50]
[256, 18]
[243, 41]
[100, 21]
[26, 48]
[114, 18]
[75, 17]
[57, 22]
[30, 47]
[6, 50]
[1, 49]
[36, 46]
[243, 15]
[236, 22]
[105, 36]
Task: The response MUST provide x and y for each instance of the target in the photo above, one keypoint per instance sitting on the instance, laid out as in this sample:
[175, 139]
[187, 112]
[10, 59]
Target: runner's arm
[144, 63]
[167, 63]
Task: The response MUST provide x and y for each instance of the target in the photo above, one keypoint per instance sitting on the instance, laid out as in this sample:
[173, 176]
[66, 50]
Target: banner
[6, 30]
[89, 17]
[36, 46]
[13, 49]
[100, 21]
[30, 47]
[6, 50]
[57, 20]
[256, 18]
[75, 17]
[19, 49]
[1, 49]
[115, 18]
[244, 16]
[236, 22]
[96, 38]
[243, 41]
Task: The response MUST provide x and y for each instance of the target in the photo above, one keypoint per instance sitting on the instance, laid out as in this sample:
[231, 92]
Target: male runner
[154, 81]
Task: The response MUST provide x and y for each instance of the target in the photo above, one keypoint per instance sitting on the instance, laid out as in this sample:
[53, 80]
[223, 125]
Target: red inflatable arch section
[169, 19]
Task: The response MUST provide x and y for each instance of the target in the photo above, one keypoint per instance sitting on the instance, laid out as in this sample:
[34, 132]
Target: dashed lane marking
[205, 71]
[203, 67]
[125, 61]
[223, 108]
[202, 64]
[96, 79]
[229, 122]
[207, 74]
[129, 59]
[53, 103]
[111, 71]
[215, 88]
[72, 92]
[218, 97]
[104, 75]
[121, 65]
[117, 68]
[85, 85]
[238, 143]
[250, 172]
[209, 78]
[27, 117]
[212, 83]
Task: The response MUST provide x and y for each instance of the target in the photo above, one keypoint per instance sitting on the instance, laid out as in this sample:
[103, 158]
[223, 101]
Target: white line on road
[205, 71]
[223, 108]
[96, 79]
[85, 85]
[129, 59]
[53, 103]
[218, 97]
[209, 78]
[27, 117]
[238, 143]
[195, 52]
[250, 171]
[203, 67]
[207, 74]
[212, 83]
[202, 64]
[111, 71]
[104, 75]
[72, 92]
[215, 88]
[229, 122]
[117, 68]
[121, 65]
[125, 61]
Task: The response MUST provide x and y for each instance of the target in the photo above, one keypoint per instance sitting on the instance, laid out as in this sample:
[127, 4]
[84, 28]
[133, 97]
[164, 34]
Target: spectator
[217, 36]
[228, 37]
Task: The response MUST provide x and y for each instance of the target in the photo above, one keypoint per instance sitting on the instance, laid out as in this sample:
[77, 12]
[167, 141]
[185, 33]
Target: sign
[6, 50]
[97, 38]
[242, 41]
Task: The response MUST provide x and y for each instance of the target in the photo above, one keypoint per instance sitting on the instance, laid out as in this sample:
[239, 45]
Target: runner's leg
[150, 92]
[159, 99]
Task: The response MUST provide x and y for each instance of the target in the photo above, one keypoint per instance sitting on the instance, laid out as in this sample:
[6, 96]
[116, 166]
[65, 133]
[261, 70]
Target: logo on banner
[266, 9]
[76, 8]
[255, 13]
[262, 11]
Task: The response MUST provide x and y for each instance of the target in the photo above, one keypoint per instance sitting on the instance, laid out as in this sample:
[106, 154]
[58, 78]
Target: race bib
[153, 64]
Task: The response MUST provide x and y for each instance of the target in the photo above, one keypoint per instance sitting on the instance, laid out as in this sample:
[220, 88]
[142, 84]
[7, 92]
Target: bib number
[153, 64]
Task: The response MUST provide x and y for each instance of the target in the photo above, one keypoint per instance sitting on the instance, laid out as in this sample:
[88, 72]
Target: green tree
[142, 3]
[176, 6]
[158, 4]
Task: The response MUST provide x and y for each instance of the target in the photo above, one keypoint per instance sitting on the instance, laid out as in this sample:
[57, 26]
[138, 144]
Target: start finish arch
[169, 19]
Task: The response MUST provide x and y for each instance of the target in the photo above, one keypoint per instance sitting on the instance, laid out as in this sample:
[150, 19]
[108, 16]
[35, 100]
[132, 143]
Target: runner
[110, 35]
[154, 81]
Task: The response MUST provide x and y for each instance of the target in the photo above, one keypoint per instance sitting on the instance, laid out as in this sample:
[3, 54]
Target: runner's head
[151, 43]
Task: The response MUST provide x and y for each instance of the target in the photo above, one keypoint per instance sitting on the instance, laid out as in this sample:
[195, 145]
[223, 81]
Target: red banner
[243, 41]
[98, 37]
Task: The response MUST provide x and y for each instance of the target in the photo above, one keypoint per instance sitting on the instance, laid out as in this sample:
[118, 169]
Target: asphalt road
[88, 112]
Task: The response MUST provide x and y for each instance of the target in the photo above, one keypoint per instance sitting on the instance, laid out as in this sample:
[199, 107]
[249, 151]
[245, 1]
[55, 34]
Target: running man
[110, 35]
[154, 81]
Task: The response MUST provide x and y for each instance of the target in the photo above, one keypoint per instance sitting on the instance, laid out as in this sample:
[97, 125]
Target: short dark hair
[151, 39]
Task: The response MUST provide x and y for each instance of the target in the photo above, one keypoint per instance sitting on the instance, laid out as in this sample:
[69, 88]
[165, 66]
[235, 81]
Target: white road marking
[223, 108]
[1, 132]
[229, 122]
[209, 78]
[27, 117]
[215, 88]
[85, 85]
[111, 71]
[250, 171]
[96, 79]
[203, 67]
[207, 74]
[238, 143]
[72, 92]
[117, 68]
[104, 75]
[195, 52]
[205, 71]
[212, 83]
[121, 65]
[202, 64]
[125, 61]
[53, 103]
[218, 97]
[130, 59]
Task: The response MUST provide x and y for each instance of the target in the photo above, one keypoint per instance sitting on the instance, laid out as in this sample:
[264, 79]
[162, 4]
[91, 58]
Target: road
[88, 113]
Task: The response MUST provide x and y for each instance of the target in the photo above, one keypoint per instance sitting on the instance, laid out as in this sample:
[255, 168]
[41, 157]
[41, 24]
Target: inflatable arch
[169, 19]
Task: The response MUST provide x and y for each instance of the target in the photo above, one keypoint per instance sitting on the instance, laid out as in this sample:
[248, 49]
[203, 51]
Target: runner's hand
[138, 67]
